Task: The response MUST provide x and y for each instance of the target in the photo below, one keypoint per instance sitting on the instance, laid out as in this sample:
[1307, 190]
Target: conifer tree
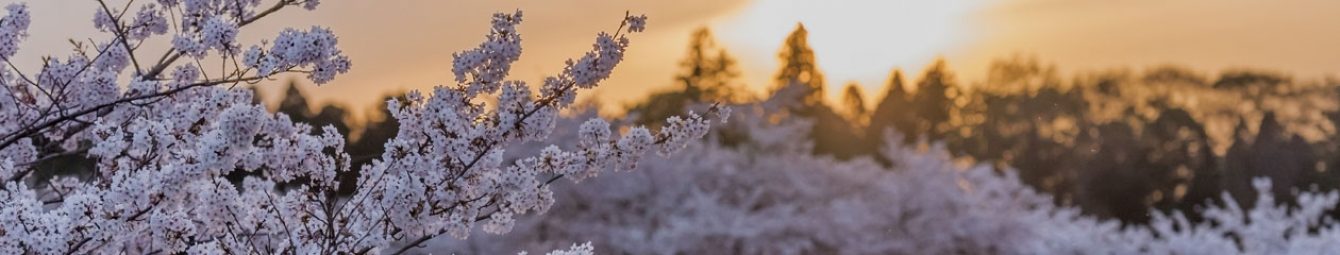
[932, 100]
[854, 102]
[893, 111]
[799, 66]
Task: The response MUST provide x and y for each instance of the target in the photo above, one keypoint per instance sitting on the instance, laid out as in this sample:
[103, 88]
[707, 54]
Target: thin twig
[116, 27]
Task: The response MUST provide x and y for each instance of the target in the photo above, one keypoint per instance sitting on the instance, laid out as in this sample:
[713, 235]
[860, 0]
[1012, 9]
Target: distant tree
[380, 127]
[854, 102]
[707, 73]
[1166, 164]
[1173, 74]
[334, 115]
[1020, 73]
[1329, 175]
[1239, 79]
[933, 102]
[1238, 170]
[1041, 134]
[294, 103]
[799, 66]
[894, 111]
[1181, 166]
[832, 134]
[1274, 153]
[1114, 182]
[1109, 83]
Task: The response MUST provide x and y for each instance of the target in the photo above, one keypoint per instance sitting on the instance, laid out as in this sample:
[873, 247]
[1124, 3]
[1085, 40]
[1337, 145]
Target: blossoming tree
[164, 139]
[769, 194]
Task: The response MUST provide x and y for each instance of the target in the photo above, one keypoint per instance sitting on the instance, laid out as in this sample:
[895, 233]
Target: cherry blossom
[165, 139]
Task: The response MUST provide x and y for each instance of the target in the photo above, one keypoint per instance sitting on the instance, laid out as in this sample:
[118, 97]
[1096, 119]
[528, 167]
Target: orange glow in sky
[398, 45]
[855, 40]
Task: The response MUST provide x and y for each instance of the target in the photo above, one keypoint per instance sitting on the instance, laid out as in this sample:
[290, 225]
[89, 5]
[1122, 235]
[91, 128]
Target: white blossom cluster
[487, 65]
[56, 107]
[160, 183]
[209, 24]
[637, 23]
[148, 21]
[1268, 227]
[576, 249]
[170, 144]
[313, 49]
[13, 28]
[162, 144]
[445, 169]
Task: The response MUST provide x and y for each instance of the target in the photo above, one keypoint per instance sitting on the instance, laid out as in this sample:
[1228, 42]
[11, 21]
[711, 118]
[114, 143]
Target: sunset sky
[401, 44]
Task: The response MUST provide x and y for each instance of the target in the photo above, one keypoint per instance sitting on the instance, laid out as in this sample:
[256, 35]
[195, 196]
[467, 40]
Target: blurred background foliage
[1115, 142]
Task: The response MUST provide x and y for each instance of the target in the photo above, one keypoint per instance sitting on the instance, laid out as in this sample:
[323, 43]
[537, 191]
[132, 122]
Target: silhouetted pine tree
[933, 101]
[832, 133]
[854, 102]
[894, 111]
[799, 66]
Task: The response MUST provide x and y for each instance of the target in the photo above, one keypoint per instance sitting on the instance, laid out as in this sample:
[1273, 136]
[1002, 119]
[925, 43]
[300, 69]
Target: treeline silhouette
[1116, 143]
